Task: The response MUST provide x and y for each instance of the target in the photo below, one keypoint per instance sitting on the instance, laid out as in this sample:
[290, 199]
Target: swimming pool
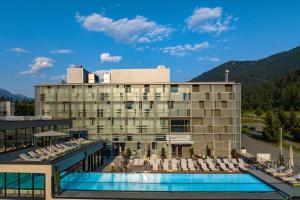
[153, 182]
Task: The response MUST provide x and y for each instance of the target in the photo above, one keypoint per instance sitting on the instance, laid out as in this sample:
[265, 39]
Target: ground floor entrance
[181, 150]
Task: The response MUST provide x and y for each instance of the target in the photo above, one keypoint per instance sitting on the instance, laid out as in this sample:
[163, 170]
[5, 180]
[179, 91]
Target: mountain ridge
[255, 72]
[5, 94]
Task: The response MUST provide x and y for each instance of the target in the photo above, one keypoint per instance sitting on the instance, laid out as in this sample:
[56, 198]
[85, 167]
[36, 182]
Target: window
[207, 96]
[228, 88]
[180, 125]
[146, 88]
[129, 104]
[210, 129]
[171, 105]
[186, 96]
[157, 96]
[217, 112]
[174, 88]
[127, 88]
[195, 88]
[224, 104]
[129, 138]
[201, 104]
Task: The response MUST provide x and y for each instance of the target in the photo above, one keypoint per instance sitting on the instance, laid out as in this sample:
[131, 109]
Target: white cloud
[182, 50]
[178, 70]
[59, 78]
[18, 50]
[62, 51]
[106, 57]
[136, 30]
[210, 59]
[209, 20]
[39, 64]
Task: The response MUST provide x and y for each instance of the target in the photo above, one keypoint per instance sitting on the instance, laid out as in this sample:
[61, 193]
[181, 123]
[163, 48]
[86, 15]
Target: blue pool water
[164, 182]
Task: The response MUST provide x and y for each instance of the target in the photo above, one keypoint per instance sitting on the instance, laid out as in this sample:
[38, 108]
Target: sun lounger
[225, 160]
[290, 178]
[174, 165]
[232, 167]
[234, 161]
[141, 162]
[166, 165]
[191, 165]
[272, 170]
[41, 153]
[222, 165]
[184, 165]
[211, 165]
[284, 173]
[49, 153]
[35, 155]
[136, 162]
[241, 166]
[155, 167]
[203, 165]
[241, 160]
[29, 158]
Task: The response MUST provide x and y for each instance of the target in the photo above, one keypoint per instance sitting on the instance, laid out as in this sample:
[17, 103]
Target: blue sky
[40, 39]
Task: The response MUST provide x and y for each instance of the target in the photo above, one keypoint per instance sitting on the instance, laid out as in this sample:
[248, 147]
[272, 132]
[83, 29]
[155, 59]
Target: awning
[50, 134]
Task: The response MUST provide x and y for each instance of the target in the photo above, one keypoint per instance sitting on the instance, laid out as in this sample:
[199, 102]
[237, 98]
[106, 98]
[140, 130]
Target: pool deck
[284, 189]
[168, 195]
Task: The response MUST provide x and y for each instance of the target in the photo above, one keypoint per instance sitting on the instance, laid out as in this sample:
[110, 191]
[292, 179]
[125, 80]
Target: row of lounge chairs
[54, 150]
[190, 165]
[284, 174]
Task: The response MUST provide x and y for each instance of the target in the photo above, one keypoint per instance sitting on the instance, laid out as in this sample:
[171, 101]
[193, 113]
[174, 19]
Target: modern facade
[147, 117]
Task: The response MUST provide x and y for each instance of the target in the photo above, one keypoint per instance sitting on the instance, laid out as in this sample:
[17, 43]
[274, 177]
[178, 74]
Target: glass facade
[22, 185]
[142, 117]
[18, 138]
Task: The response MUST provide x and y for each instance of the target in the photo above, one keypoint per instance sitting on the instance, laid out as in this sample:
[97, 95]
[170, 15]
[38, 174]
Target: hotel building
[142, 110]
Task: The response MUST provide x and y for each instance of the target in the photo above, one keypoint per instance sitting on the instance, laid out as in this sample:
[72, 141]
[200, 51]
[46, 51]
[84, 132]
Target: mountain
[257, 71]
[15, 97]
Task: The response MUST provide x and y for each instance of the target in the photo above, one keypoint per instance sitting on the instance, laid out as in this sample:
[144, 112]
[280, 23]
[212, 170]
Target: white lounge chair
[174, 165]
[284, 173]
[35, 155]
[184, 165]
[232, 167]
[242, 167]
[234, 161]
[29, 158]
[222, 165]
[211, 165]
[203, 165]
[241, 160]
[191, 165]
[290, 178]
[166, 165]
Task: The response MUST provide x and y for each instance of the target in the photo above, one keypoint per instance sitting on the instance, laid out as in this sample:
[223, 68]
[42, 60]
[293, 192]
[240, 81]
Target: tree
[293, 123]
[283, 119]
[271, 130]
